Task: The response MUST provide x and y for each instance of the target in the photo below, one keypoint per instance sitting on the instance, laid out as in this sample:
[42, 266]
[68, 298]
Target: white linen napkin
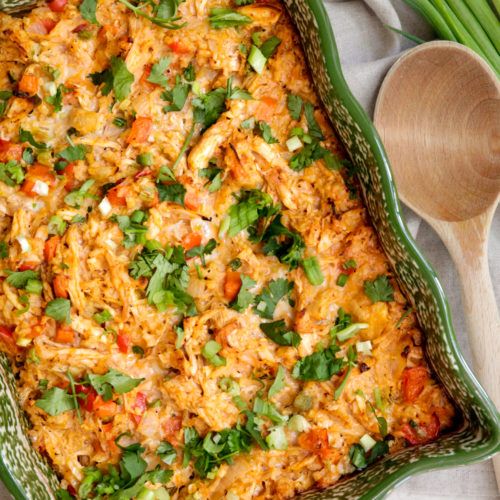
[367, 50]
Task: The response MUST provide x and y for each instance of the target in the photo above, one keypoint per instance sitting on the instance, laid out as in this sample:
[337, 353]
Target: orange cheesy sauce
[193, 297]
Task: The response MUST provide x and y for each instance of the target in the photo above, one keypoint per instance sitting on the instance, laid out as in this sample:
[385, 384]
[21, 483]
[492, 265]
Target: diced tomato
[10, 151]
[191, 240]
[40, 173]
[28, 84]
[191, 200]
[48, 24]
[316, 441]
[232, 285]
[178, 48]
[71, 490]
[28, 266]
[86, 403]
[413, 383]
[104, 409]
[140, 406]
[6, 334]
[69, 173]
[80, 27]
[50, 248]
[141, 128]
[60, 284]
[117, 196]
[64, 334]
[422, 433]
[57, 5]
[269, 101]
[123, 341]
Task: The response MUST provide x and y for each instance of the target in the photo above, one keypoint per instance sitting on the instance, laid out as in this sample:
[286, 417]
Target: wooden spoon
[438, 114]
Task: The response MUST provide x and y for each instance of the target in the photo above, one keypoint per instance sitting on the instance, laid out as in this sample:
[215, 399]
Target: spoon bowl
[438, 114]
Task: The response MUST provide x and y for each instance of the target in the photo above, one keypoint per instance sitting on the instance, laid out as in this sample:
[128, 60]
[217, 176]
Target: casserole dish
[477, 436]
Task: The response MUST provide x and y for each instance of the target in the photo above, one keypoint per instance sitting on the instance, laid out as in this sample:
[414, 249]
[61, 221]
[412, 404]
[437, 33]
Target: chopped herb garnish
[56, 99]
[169, 277]
[321, 365]
[59, 310]
[266, 302]
[19, 279]
[117, 78]
[88, 11]
[73, 153]
[102, 317]
[111, 381]
[164, 12]
[214, 176]
[5, 95]
[379, 290]
[279, 382]
[313, 271]
[267, 409]
[268, 48]
[221, 17]
[76, 197]
[235, 264]
[209, 352]
[361, 459]
[133, 228]
[279, 333]
[166, 452]
[351, 363]
[267, 133]
[173, 192]
[56, 401]
[314, 129]
[157, 74]
[295, 104]
[11, 173]
[244, 297]
[202, 250]
[27, 136]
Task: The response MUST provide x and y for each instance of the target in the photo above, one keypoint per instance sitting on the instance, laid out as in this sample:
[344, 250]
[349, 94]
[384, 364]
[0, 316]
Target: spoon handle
[467, 244]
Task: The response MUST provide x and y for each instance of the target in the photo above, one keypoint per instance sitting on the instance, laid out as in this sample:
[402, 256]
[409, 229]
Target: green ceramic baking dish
[477, 434]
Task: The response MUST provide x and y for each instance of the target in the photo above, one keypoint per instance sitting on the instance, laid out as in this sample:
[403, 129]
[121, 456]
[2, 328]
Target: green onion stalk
[472, 23]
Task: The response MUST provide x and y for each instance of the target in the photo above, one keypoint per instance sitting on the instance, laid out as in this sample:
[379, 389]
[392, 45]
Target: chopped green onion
[367, 442]
[145, 159]
[277, 439]
[342, 279]
[298, 423]
[257, 60]
[293, 144]
[313, 271]
[349, 331]
[364, 347]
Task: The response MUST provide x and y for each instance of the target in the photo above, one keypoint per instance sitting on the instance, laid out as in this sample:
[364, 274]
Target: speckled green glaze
[27, 475]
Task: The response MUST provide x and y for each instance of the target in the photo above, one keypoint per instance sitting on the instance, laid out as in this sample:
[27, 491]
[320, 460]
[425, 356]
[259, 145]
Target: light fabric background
[367, 51]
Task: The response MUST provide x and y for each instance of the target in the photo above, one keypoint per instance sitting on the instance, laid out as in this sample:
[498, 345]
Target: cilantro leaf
[244, 297]
[19, 279]
[59, 310]
[157, 74]
[361, 459]
[214, 176]
[236, 92]
[267, 133]
[56, 401]
[11, 173]
[279, 382]
[27, 136]
[122, 78]
[267, 300]
[220, 18]
[177, 96]
[56, 99]
[133, 228]
[308, 155]
[208, 107]
[278, 332]
[5, 95]
[113, 380]
[166, 452]
[73, 153]
[295, 104]
[202, 250]
[173, 192]
[117, 78]
[88, 10]
[287, 245]
[379, 290]
[314, 129]
[321, 365]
